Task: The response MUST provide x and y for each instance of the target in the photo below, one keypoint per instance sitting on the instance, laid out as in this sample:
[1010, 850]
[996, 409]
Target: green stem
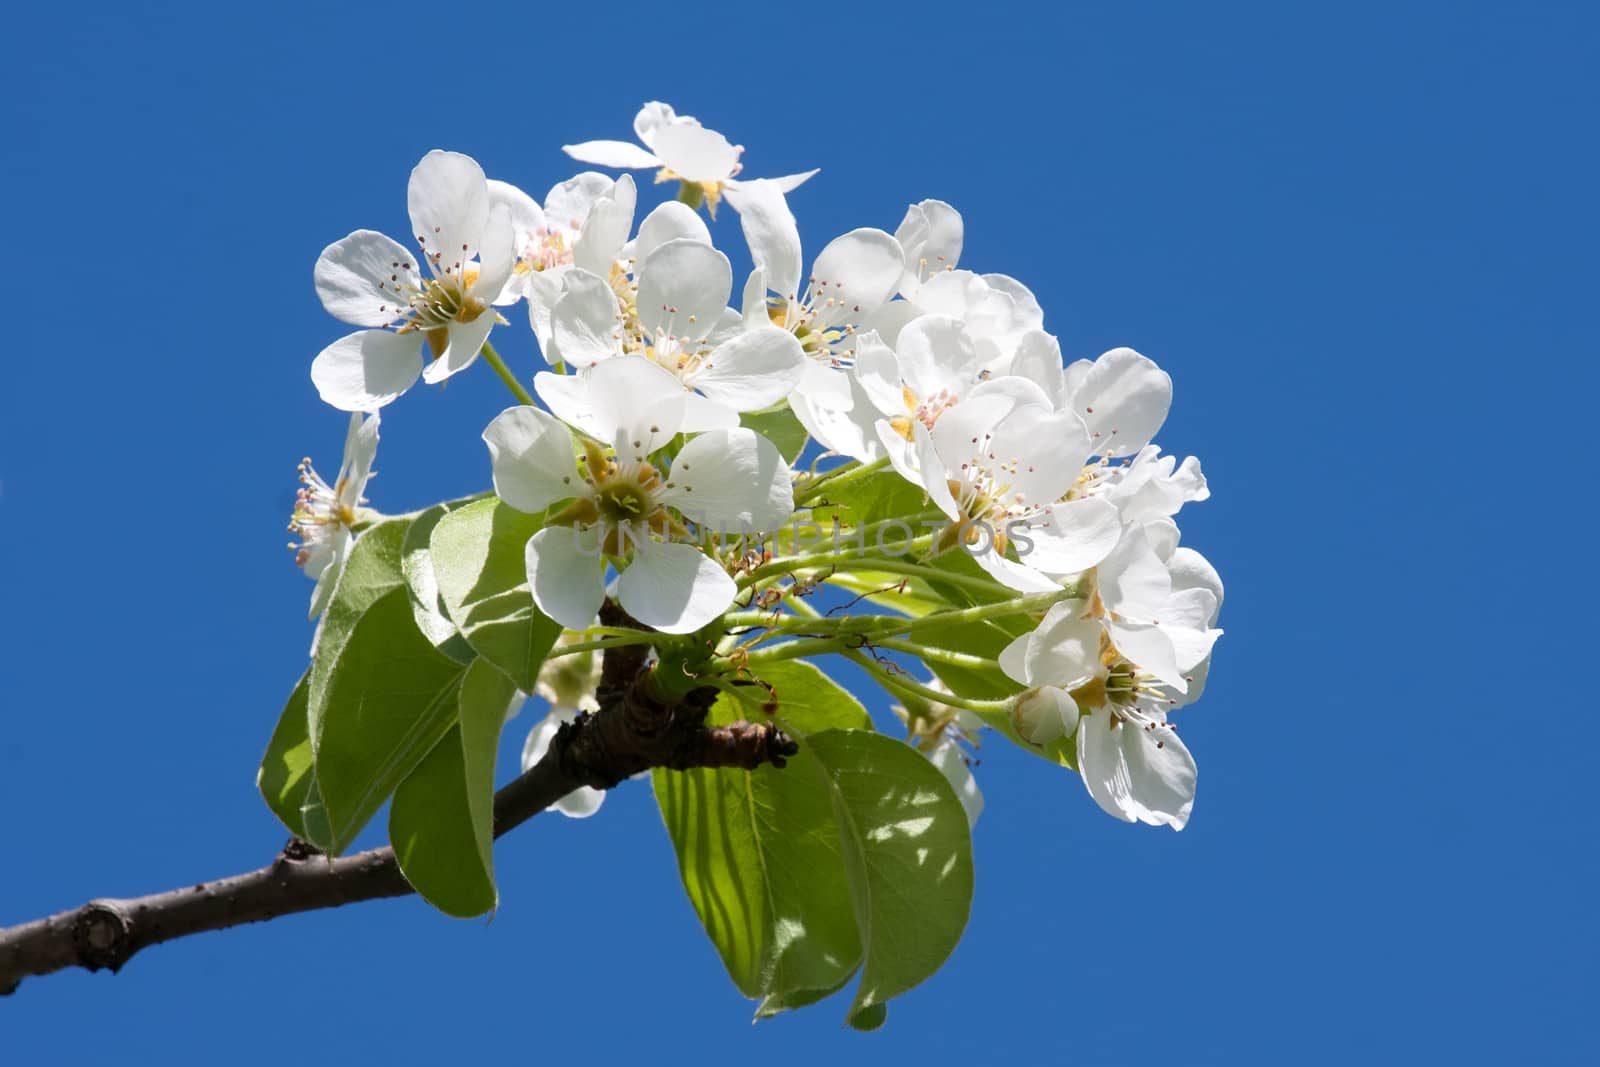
[873, 627]
[500, 368]
[628, 637]
[904, 685]
[985, 586]
[858, 559]
[934, 655]
[800, 649]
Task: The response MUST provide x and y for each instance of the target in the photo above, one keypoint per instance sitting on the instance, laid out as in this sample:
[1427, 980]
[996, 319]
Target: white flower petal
[877, 371]
[527, 217]
[568, 397]
[585, 322]
[1013, 659]
[448, 198]
[636, 405]
[618, 154]
[669, 221]
[835, 411]
[1048, 448]
[465, 342]
[770, 230]
[951, 761]
[1072, 536]
[543, 290]
[581, 802]
[695, 153]
[754, 369]
[363, 279]
[367, 369]
[567, 205]
[1065, 649]
[1190, 570]
[1018, 576]
[931, 235]
[1026, 313]
[1150, 648]
[962, 432]
[701, 413]
[1134, 773]
[1123, 399]
[360, 448]
[934, 473]
[936, 356]
[683, 287]
[599, 244]
[652, 117]
[567, 584]
[1038, 358]
[790, 182]
[527, 222]
[1133, 581]
[887, 320]
[530, 453]
[674, 588]
[497, 255]
[732, 480]
[858, 270]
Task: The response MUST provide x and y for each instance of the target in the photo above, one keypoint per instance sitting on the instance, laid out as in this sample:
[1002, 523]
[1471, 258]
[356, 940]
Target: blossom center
[318, 514]
[925, 411]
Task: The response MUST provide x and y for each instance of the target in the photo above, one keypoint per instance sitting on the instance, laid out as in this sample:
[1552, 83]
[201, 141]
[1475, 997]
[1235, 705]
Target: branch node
[103, 935]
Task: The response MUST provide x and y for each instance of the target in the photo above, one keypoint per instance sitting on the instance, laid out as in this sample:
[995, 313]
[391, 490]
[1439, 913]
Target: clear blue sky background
[1360, 238]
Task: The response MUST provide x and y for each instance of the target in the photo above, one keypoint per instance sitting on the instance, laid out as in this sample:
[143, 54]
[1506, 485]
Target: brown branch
[635, 730]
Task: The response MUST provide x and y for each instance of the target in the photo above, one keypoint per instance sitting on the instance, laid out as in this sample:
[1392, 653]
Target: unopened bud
[1044, 715]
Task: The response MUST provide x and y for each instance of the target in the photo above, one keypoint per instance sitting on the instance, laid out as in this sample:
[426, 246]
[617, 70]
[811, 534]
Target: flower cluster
[887, 351]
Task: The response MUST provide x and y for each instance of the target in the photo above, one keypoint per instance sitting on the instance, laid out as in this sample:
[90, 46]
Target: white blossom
[627, 505]
[679, 149]
[369, 280]
[324, 515]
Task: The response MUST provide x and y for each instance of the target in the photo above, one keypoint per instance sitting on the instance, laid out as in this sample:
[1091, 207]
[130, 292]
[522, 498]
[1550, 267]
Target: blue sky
[1358, 237]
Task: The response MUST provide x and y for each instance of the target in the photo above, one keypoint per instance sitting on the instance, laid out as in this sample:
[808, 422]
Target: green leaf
[759, 854]
[390, 697]
[371, 571]
[881, 495]
[442, 821]
[908, 855]
[285, 773]
[479, 559]
[870, 1018]
[808, 700]
[780, 426]
[855, 855]
[416, 566]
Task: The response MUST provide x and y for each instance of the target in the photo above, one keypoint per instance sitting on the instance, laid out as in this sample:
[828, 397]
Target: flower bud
[1044, 715]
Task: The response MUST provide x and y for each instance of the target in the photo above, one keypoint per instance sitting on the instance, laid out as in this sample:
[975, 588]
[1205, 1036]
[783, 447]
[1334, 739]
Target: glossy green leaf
[870, 1018]
[878, 496]
[759, 853]
[371, 571]
[780, 426]
[485, 695]
[416, 566]
[855, 856]
[808, 700]
[390, 697]
[908, 856]
[441, 823]
[479, 560]
[285, 772]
